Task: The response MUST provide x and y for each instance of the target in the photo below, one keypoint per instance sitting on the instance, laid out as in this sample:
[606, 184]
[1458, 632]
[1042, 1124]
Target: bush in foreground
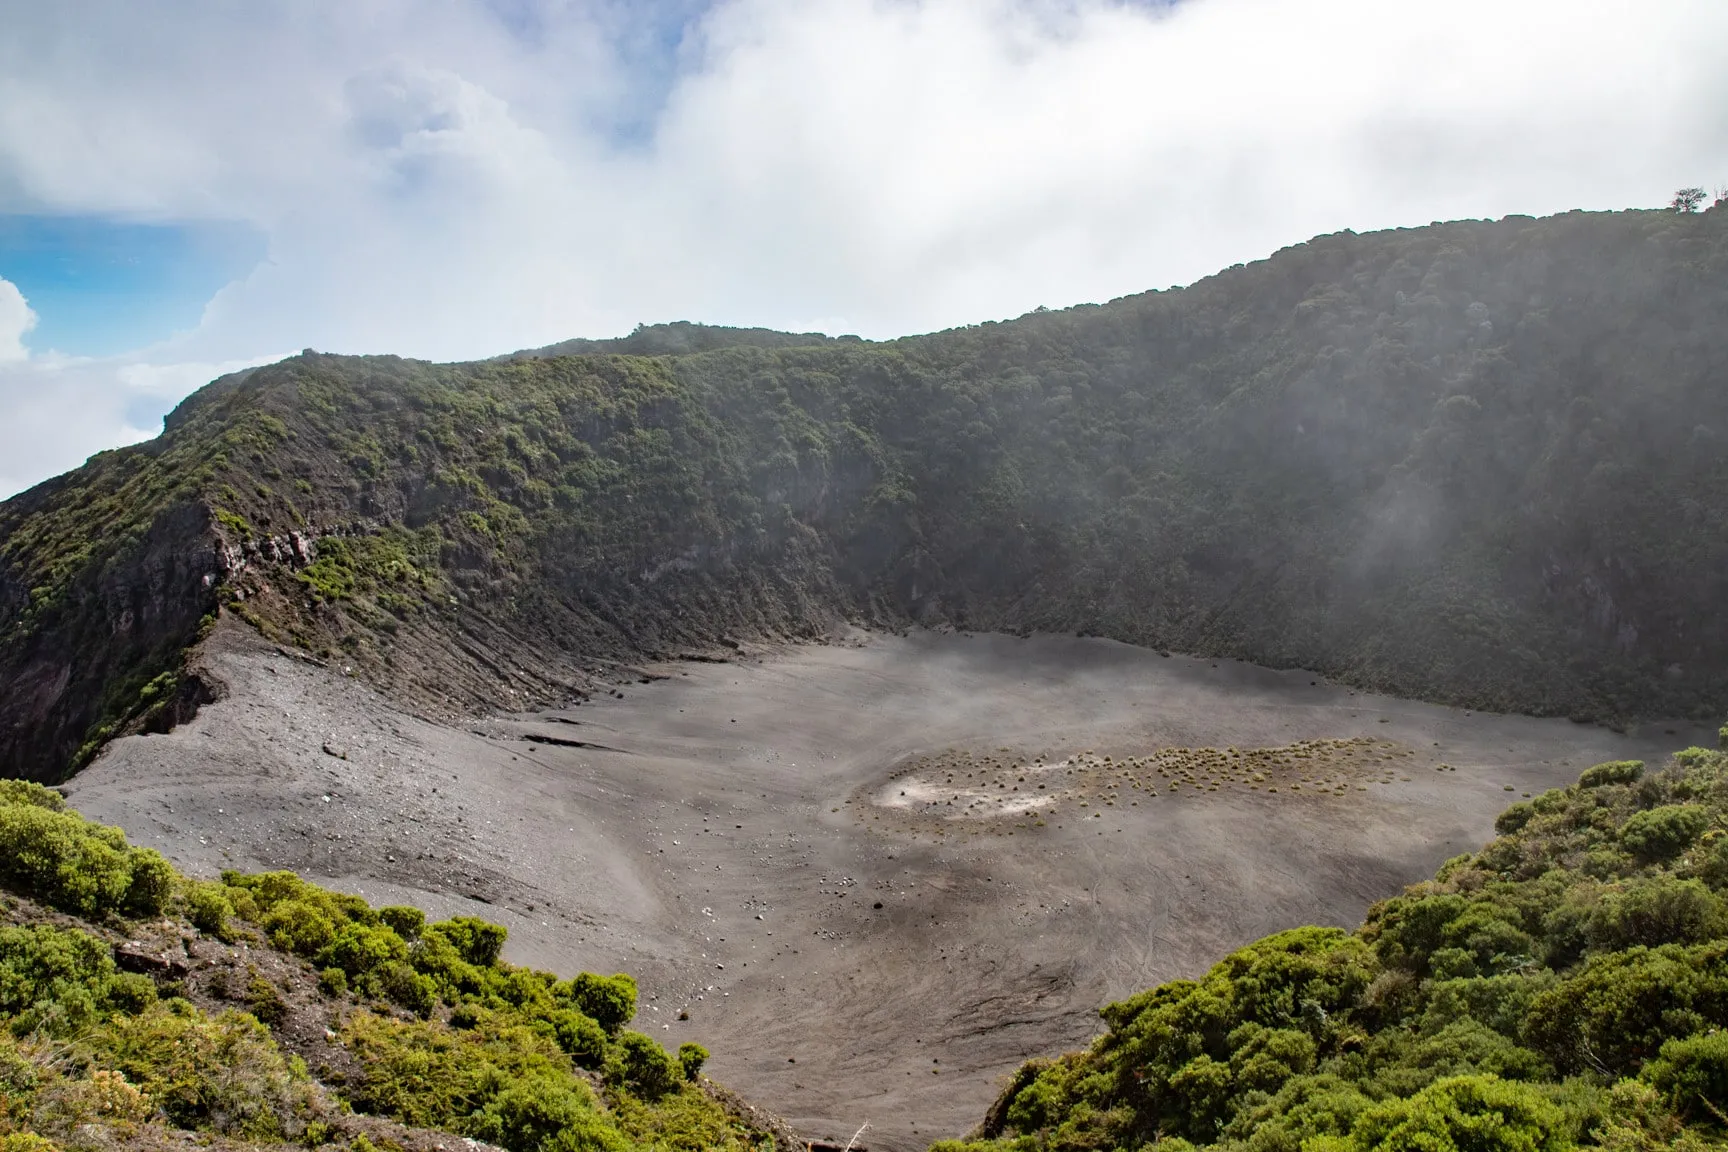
[1566, 986]
[499, 1053]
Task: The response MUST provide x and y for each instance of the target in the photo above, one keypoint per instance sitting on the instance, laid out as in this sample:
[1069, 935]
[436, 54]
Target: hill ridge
[1472, 462]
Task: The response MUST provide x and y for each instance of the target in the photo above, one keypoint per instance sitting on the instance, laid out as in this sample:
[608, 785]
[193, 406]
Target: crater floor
[872, 876]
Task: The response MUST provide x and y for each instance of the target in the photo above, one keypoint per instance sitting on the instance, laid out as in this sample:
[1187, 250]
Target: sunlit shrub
[360, 948]
[208, 907]
[1613, 772]
[62, 981]
[1665, 832]
[691, 1057]
[609, 1000]
[76, 865]
[333, 982]
[223, 1073]
[529, 1113]
[476, 941]
[299, 927]
[406, 922]
[1481, 1113]
[640, 1065]
[1693, 1074]
[579, 1036]
[398, 981]
[31, 793]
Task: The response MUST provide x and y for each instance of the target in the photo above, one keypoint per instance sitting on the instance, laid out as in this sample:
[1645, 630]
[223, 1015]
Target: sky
[187, 188]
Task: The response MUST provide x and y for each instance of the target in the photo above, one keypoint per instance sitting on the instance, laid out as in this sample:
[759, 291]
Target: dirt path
[735, 836]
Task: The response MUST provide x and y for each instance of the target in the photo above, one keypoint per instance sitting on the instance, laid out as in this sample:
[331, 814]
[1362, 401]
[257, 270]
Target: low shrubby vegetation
[1566, 986]
[443, 1034]
[69, 863]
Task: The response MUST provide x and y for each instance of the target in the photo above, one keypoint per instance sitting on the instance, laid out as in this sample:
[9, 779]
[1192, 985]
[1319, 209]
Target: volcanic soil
[873, 875]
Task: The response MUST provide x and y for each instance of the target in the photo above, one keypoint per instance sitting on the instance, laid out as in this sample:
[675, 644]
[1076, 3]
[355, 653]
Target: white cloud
[435, 185]
[16, 319]
[60, 410]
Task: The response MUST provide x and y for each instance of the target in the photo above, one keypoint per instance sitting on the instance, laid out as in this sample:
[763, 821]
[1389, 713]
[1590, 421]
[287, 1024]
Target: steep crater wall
[1475, 462]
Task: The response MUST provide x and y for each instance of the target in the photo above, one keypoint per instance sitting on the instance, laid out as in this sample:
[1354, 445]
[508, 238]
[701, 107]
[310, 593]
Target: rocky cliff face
[1475, 462]
[102, 654]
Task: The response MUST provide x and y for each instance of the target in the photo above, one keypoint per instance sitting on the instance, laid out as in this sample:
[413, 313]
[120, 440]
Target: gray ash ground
[734, 836]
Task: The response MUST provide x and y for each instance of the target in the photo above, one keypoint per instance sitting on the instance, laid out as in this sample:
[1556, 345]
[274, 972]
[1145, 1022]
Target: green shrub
[1473, 1113]
[62, 981]
[152, 883]
[31, 793]
[208, 908]
[1665, 832]
[78, 866]
[642, 1067]
[223, 1073]
[476, 941]
[361, 948]
[265, 891]
[264, 1000]
[1655, 912]
[1305, 1108]
[401, 983]
[589, 1134]
[435, 956]
[333, 982]
[1613, 772]
[431, 1076]
[406, 922]
[1514, 818]
[691, 1057]
[608, 1000]
[1693, 1074]
[298, 927]
[1499, 1002]
[580, 1036]
[1621, 1006]
[684, 1120]
[1712, 867]
[19, 1078]
[527, 1115]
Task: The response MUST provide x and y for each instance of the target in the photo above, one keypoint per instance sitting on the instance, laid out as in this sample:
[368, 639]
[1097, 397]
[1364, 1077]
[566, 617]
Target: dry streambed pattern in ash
[1004, 790]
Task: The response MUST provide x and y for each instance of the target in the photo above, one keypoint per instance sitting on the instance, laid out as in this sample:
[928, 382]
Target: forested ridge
[1478, 462]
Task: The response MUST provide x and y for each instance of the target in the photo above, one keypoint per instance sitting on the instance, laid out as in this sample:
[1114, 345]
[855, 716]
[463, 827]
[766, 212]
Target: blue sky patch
[101, 287]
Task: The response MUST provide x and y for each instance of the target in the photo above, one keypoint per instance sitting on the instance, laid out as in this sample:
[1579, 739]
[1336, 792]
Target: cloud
[15, 320]
[439, 181]
[59, 410]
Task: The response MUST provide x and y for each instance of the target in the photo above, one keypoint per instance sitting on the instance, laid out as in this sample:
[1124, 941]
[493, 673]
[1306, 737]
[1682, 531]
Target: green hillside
[1478, 462]
[140, 1009]
[1566, 986]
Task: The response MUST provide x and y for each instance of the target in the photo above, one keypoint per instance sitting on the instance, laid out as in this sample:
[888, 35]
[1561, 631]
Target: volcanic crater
[875, 874]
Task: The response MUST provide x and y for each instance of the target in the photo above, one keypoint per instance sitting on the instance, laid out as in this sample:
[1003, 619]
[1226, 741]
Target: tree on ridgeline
[1688, 199]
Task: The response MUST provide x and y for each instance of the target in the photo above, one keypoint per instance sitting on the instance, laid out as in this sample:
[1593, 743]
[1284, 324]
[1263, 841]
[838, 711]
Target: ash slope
[647, 831]
[1477, 462]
